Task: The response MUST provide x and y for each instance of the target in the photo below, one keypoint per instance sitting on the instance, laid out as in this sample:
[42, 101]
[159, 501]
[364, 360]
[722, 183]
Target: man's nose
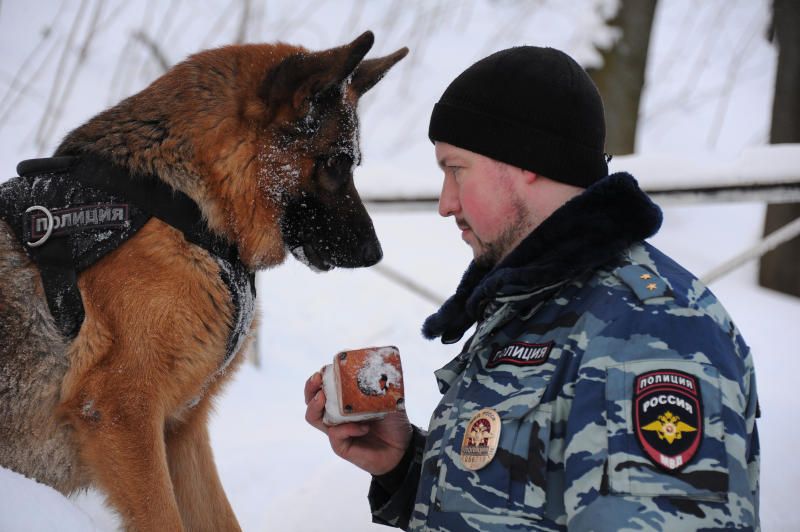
[448, 199]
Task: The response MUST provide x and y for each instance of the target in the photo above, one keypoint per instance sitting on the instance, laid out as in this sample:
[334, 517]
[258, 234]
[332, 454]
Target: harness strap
[148, 196]
[155, 197]
[60, 282]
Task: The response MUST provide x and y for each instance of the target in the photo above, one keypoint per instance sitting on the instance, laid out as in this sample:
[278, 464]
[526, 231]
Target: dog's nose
[371, 253]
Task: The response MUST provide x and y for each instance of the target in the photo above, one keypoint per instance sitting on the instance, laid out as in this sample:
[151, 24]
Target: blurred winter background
[705, 109]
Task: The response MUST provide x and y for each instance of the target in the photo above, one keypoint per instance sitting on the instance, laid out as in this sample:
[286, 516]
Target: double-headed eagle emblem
[669, 427]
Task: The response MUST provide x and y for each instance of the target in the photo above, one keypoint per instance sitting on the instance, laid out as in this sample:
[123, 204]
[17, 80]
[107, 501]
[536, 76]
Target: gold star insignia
[645, 276]
[651, 286]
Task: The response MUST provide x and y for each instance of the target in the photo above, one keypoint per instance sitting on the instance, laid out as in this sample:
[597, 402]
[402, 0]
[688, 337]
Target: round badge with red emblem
[668, 417]
[481, 438]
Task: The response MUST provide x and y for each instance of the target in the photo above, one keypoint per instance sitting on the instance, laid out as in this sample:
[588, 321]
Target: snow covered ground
[278, 472]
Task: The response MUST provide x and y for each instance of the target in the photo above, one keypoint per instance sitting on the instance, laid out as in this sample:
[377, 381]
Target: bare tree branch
[706, 51]
[145, 69]
[122, 67]
[303, 18]
[25, 90]
[113, 15]
[678, 45]
[13, 87]
[54, 88]
[350, 27]
[219, 25]
[241, 33]
[45, 33]
[83, 53]
[734, 69]
[153, 48]
[513, 28]
[257, 21]
[168, 19]
[393, 14]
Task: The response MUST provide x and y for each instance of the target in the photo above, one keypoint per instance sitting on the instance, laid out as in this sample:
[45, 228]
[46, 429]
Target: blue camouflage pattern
[568, 456]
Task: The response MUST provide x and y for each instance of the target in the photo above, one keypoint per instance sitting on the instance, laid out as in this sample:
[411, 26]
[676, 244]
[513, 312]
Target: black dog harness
[69, 212]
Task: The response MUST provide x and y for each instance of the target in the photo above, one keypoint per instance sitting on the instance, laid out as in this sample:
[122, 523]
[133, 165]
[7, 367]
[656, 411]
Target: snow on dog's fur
[264, 139]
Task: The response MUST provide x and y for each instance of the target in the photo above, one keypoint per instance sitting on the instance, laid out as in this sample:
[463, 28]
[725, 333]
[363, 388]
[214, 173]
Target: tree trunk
[621, 78]
[780, 268]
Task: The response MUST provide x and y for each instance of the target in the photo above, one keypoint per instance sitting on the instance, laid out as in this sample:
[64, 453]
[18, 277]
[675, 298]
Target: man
[604, 387]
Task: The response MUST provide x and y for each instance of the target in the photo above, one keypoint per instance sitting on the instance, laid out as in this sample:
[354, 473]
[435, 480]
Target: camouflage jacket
[623, 394]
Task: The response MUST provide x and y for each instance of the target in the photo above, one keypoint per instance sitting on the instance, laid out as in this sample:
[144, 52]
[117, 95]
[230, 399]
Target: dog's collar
[149, 193]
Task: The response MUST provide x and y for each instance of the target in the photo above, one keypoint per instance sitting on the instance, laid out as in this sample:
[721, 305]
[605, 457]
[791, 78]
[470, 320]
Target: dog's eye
[340, 161]
[339, 166]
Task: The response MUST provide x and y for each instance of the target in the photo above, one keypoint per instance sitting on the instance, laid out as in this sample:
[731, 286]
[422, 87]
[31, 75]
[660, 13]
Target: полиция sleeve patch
[668, 417]
[521, 354]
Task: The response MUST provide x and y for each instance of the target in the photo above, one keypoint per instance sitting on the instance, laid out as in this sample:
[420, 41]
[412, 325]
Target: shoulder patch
[644, 282]
[521, 354]
[668, 417]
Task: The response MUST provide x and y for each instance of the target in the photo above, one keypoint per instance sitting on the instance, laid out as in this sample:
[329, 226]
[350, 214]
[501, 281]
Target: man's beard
[501, 246]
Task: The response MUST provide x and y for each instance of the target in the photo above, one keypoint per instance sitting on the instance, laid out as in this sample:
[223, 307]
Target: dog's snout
[371, 253]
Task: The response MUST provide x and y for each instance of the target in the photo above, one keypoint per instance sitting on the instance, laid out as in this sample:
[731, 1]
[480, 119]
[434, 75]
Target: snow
[779, 163]
[377, 368]
[22, 503]
[299, 253]
[279, 473]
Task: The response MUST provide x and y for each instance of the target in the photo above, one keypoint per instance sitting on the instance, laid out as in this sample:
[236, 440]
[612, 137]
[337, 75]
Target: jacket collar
[586, 232]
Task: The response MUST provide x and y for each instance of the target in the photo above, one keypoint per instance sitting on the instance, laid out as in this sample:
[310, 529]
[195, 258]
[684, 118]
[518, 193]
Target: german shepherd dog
[264, 139]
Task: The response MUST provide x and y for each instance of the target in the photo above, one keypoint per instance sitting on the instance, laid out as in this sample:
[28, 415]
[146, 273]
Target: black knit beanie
[530, 107]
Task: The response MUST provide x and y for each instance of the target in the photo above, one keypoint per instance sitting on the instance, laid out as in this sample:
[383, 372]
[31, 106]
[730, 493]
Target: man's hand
[374, 446]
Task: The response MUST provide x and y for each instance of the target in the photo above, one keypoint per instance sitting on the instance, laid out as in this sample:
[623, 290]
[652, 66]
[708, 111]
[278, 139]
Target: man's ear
[370, 72]
[300, 77]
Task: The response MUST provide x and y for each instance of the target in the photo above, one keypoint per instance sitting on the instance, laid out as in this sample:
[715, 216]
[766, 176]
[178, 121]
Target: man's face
[483, 196]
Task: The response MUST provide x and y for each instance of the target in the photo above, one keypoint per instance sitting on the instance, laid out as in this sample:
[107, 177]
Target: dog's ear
[371, 71]
[300, 77]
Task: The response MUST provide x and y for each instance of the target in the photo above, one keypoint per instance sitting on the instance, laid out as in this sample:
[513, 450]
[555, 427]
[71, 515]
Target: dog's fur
[264, 139]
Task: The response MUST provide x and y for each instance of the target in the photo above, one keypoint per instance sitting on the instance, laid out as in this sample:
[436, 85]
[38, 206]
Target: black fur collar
[585, 233]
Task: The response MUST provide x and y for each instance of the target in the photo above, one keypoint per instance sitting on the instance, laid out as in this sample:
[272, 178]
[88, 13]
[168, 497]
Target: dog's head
[313, 99]
[265, 139]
